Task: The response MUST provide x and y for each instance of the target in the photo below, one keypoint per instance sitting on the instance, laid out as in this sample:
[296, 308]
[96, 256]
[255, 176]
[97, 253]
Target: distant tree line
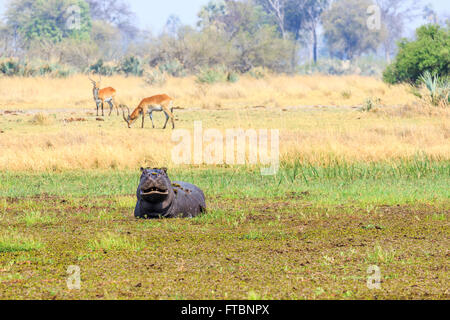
[241, 36]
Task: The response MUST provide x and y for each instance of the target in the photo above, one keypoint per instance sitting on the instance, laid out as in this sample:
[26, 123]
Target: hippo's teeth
[154, 191]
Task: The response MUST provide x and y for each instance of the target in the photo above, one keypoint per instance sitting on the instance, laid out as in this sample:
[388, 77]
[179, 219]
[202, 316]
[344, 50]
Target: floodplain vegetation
[364, 180]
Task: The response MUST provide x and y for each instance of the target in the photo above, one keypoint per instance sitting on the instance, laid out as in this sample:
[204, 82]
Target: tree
[237, 35]
[297, 16]
[107, 38]
[253, 36]
[394, 14]
[5, 40]
[173, 24]
[116, 12]
[278, 7]
[346, 31]
[305, 15]
[48, 20]
[211, 13]
[430, 51]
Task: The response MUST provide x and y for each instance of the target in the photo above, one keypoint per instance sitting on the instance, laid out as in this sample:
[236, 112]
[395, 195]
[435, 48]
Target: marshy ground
[299, 241]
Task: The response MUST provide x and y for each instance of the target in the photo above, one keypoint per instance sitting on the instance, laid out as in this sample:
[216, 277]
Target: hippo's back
[189, 200]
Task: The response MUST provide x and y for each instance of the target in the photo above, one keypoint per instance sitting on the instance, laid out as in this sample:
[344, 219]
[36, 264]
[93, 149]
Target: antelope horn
[123, 112]
[93, 81]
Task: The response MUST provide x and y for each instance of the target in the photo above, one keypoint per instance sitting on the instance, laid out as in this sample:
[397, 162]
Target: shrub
[370, 104]
[232, 77]
[53, 70]
[132, 66]
[11, 68]
[173, 68]
[366, 66]
[429, 52]
[215, 75]
[100, 68]
[438, 88]
[155, 77]
[258, 72]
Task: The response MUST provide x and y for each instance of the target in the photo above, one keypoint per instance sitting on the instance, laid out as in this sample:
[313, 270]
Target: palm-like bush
[438, 88]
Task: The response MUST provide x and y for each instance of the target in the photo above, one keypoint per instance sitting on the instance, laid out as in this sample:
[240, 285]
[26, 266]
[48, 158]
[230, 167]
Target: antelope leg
[151, 118]
[167, 119]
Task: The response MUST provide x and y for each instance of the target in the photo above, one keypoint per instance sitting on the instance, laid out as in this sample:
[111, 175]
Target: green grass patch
[112, 242]
[11, 242]
[380, 255]
[36, 217]
[404, 182]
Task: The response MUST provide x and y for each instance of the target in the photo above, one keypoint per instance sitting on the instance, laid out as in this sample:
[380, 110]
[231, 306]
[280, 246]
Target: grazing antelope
[104, 95]
[158, 103]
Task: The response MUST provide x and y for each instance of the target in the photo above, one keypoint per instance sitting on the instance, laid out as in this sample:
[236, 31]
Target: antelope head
[126, 118]
[96, 84]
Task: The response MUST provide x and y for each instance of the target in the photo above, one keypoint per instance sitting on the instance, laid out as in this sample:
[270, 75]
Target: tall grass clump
[380, 255]
[370, 104]
[116, 243]
[41, 119]
[35, 217]
[12, 242]
[418, 167]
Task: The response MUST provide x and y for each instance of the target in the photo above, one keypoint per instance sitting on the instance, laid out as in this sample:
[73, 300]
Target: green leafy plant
[370, 104]
[132, 66]
[437, 87]
[429, 52]
[216, 75]
[346, 94]
[173, 68]
[100, 68]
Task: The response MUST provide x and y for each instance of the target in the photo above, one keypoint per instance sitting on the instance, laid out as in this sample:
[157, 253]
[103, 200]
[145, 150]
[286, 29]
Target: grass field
[274, 91]
[355, 189]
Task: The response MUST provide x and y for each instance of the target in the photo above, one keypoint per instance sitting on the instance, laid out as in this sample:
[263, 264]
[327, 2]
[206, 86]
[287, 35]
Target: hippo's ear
[142, 169]
[165, 170]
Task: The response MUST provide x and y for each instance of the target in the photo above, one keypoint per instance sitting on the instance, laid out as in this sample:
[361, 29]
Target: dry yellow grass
[275, 91]
[40, 139]
[316, 136]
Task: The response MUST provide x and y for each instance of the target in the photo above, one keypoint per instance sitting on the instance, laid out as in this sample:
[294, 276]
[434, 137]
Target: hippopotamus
[158, 197]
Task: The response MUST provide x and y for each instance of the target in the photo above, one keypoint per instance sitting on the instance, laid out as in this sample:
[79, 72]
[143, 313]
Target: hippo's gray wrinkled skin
[158, 197]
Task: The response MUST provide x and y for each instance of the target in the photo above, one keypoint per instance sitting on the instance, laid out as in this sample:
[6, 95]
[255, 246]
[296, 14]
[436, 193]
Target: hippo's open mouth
[154, 191]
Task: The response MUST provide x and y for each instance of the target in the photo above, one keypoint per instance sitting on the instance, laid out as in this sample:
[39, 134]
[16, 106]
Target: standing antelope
[104, 95]
[158, 103]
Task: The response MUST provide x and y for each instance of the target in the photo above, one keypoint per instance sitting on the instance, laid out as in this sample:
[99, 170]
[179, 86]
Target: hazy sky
[154, 13]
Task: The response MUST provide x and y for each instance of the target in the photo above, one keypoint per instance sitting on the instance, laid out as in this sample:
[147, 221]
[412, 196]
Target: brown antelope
[104, 95]
[158, 103]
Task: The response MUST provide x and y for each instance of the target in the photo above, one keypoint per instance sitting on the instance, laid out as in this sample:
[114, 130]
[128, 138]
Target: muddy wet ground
[243, 248]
